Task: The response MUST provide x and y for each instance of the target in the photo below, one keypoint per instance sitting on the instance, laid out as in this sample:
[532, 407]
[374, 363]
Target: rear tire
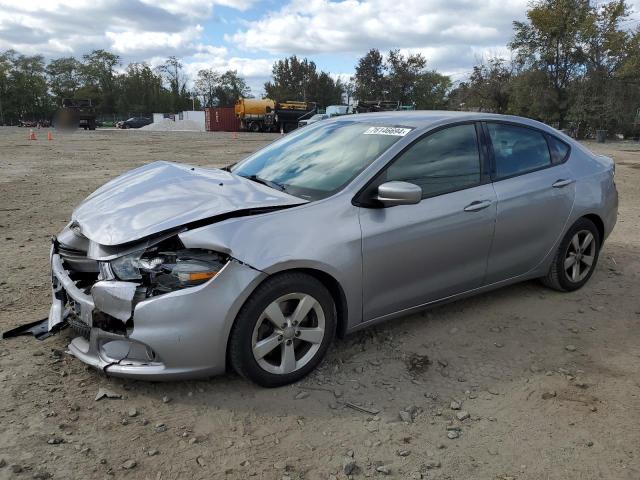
[576, 257]
[283, 330]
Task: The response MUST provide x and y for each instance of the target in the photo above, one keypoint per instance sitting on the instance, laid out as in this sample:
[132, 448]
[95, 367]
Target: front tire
[576, 257]
[283, 330]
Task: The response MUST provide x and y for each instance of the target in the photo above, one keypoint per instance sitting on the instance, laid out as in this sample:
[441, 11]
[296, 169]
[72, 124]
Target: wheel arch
[597, 221]
[336, 291]
[329, 282]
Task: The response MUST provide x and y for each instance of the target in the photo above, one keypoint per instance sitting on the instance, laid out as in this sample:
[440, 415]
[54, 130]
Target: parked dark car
[134, 122]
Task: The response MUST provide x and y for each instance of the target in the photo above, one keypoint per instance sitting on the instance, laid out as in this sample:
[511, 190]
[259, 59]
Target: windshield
[317, 161]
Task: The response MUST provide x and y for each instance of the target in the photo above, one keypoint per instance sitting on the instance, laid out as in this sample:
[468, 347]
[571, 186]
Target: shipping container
[221, 119]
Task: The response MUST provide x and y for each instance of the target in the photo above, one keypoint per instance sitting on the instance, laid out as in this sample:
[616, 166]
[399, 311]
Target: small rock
[166, 399]
[549, 395]
[455, 405]
[200, 461]
[570, 348]
[452, 434]
[432, 464]
[129, 464]
[55, 441]
[302, 395]
[132, 412]
[3, 463]
[593, 408]
[160, 427]
[589, 444]
[416, 476]
[406, 416]
[349, 466]
[42, 476]
[16, 468]
[152, 452]
[493, 391]
[403, 453]
[106, 393]
[383, 469]
[462, 415]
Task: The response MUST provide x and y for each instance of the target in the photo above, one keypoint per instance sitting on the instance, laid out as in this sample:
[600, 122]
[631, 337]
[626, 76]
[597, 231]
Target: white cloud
[129, 27]
[449, 32]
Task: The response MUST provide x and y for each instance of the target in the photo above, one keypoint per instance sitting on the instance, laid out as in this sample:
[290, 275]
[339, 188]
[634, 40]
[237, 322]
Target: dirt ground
[550, 381]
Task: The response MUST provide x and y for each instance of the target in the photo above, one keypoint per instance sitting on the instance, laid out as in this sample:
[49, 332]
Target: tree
[400, 78]
[205, 85]
[295, 79]
[28, 93]
[171, 70]
[370, 82]
[220, 89]
[98, 74]
[430, 91]
[231, 88]
[489, 86]
[550, 42]
[403, 75]
[596, 94]
[64, 75]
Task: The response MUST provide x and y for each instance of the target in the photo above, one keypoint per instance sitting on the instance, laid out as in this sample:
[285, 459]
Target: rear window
[517, 150]
[559, 150]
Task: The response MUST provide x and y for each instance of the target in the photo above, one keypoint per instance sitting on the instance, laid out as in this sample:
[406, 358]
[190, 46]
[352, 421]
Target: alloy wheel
[580, 255]
[288, 333]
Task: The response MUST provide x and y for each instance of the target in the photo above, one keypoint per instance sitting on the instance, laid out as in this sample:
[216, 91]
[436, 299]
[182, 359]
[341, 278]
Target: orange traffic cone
[32, 135]
[49, 136]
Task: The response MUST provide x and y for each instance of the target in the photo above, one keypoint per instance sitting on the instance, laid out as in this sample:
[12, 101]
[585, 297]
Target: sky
[249, 35]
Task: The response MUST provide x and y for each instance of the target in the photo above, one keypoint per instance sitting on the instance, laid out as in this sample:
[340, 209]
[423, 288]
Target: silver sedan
[172, 271]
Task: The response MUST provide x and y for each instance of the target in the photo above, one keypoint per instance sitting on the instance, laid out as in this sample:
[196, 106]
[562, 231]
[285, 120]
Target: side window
[517, 149]
[444, 161]
[558, 149]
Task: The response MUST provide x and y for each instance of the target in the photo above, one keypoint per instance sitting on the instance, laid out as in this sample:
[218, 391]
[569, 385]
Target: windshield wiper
[268, 183]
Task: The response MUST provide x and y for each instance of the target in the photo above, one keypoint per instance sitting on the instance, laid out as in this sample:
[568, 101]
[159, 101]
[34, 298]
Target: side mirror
[399, 193]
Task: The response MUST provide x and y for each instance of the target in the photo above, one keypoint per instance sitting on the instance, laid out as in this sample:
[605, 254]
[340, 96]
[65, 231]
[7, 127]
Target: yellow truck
[266, 115]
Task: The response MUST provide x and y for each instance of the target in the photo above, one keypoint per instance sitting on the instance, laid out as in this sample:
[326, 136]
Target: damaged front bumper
[180, 334]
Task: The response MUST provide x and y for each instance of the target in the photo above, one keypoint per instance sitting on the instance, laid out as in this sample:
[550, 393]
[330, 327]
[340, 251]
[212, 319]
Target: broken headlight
[162, 270]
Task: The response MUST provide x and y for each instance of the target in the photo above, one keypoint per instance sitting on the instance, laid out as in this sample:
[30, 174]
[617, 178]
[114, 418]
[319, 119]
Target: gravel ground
[520, 383]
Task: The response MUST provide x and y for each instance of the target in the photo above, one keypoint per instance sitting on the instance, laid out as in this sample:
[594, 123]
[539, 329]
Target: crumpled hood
[162, 195]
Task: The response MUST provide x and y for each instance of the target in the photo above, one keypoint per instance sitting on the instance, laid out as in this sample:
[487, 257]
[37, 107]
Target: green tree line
[573, 64]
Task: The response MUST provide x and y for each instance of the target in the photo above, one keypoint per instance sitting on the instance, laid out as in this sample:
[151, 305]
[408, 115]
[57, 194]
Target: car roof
[426, 118]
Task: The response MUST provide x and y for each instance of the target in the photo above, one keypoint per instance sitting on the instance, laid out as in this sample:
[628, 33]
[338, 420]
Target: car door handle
[477, 205]
[562, 183]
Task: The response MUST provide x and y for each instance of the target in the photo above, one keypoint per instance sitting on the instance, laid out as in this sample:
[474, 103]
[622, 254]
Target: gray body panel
[407, 250]
[386, 261]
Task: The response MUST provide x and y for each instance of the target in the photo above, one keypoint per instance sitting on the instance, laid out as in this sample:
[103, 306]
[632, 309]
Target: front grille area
[79, 327]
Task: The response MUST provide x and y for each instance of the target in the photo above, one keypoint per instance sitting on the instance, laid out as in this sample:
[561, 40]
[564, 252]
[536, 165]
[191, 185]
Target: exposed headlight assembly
[163, 270]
